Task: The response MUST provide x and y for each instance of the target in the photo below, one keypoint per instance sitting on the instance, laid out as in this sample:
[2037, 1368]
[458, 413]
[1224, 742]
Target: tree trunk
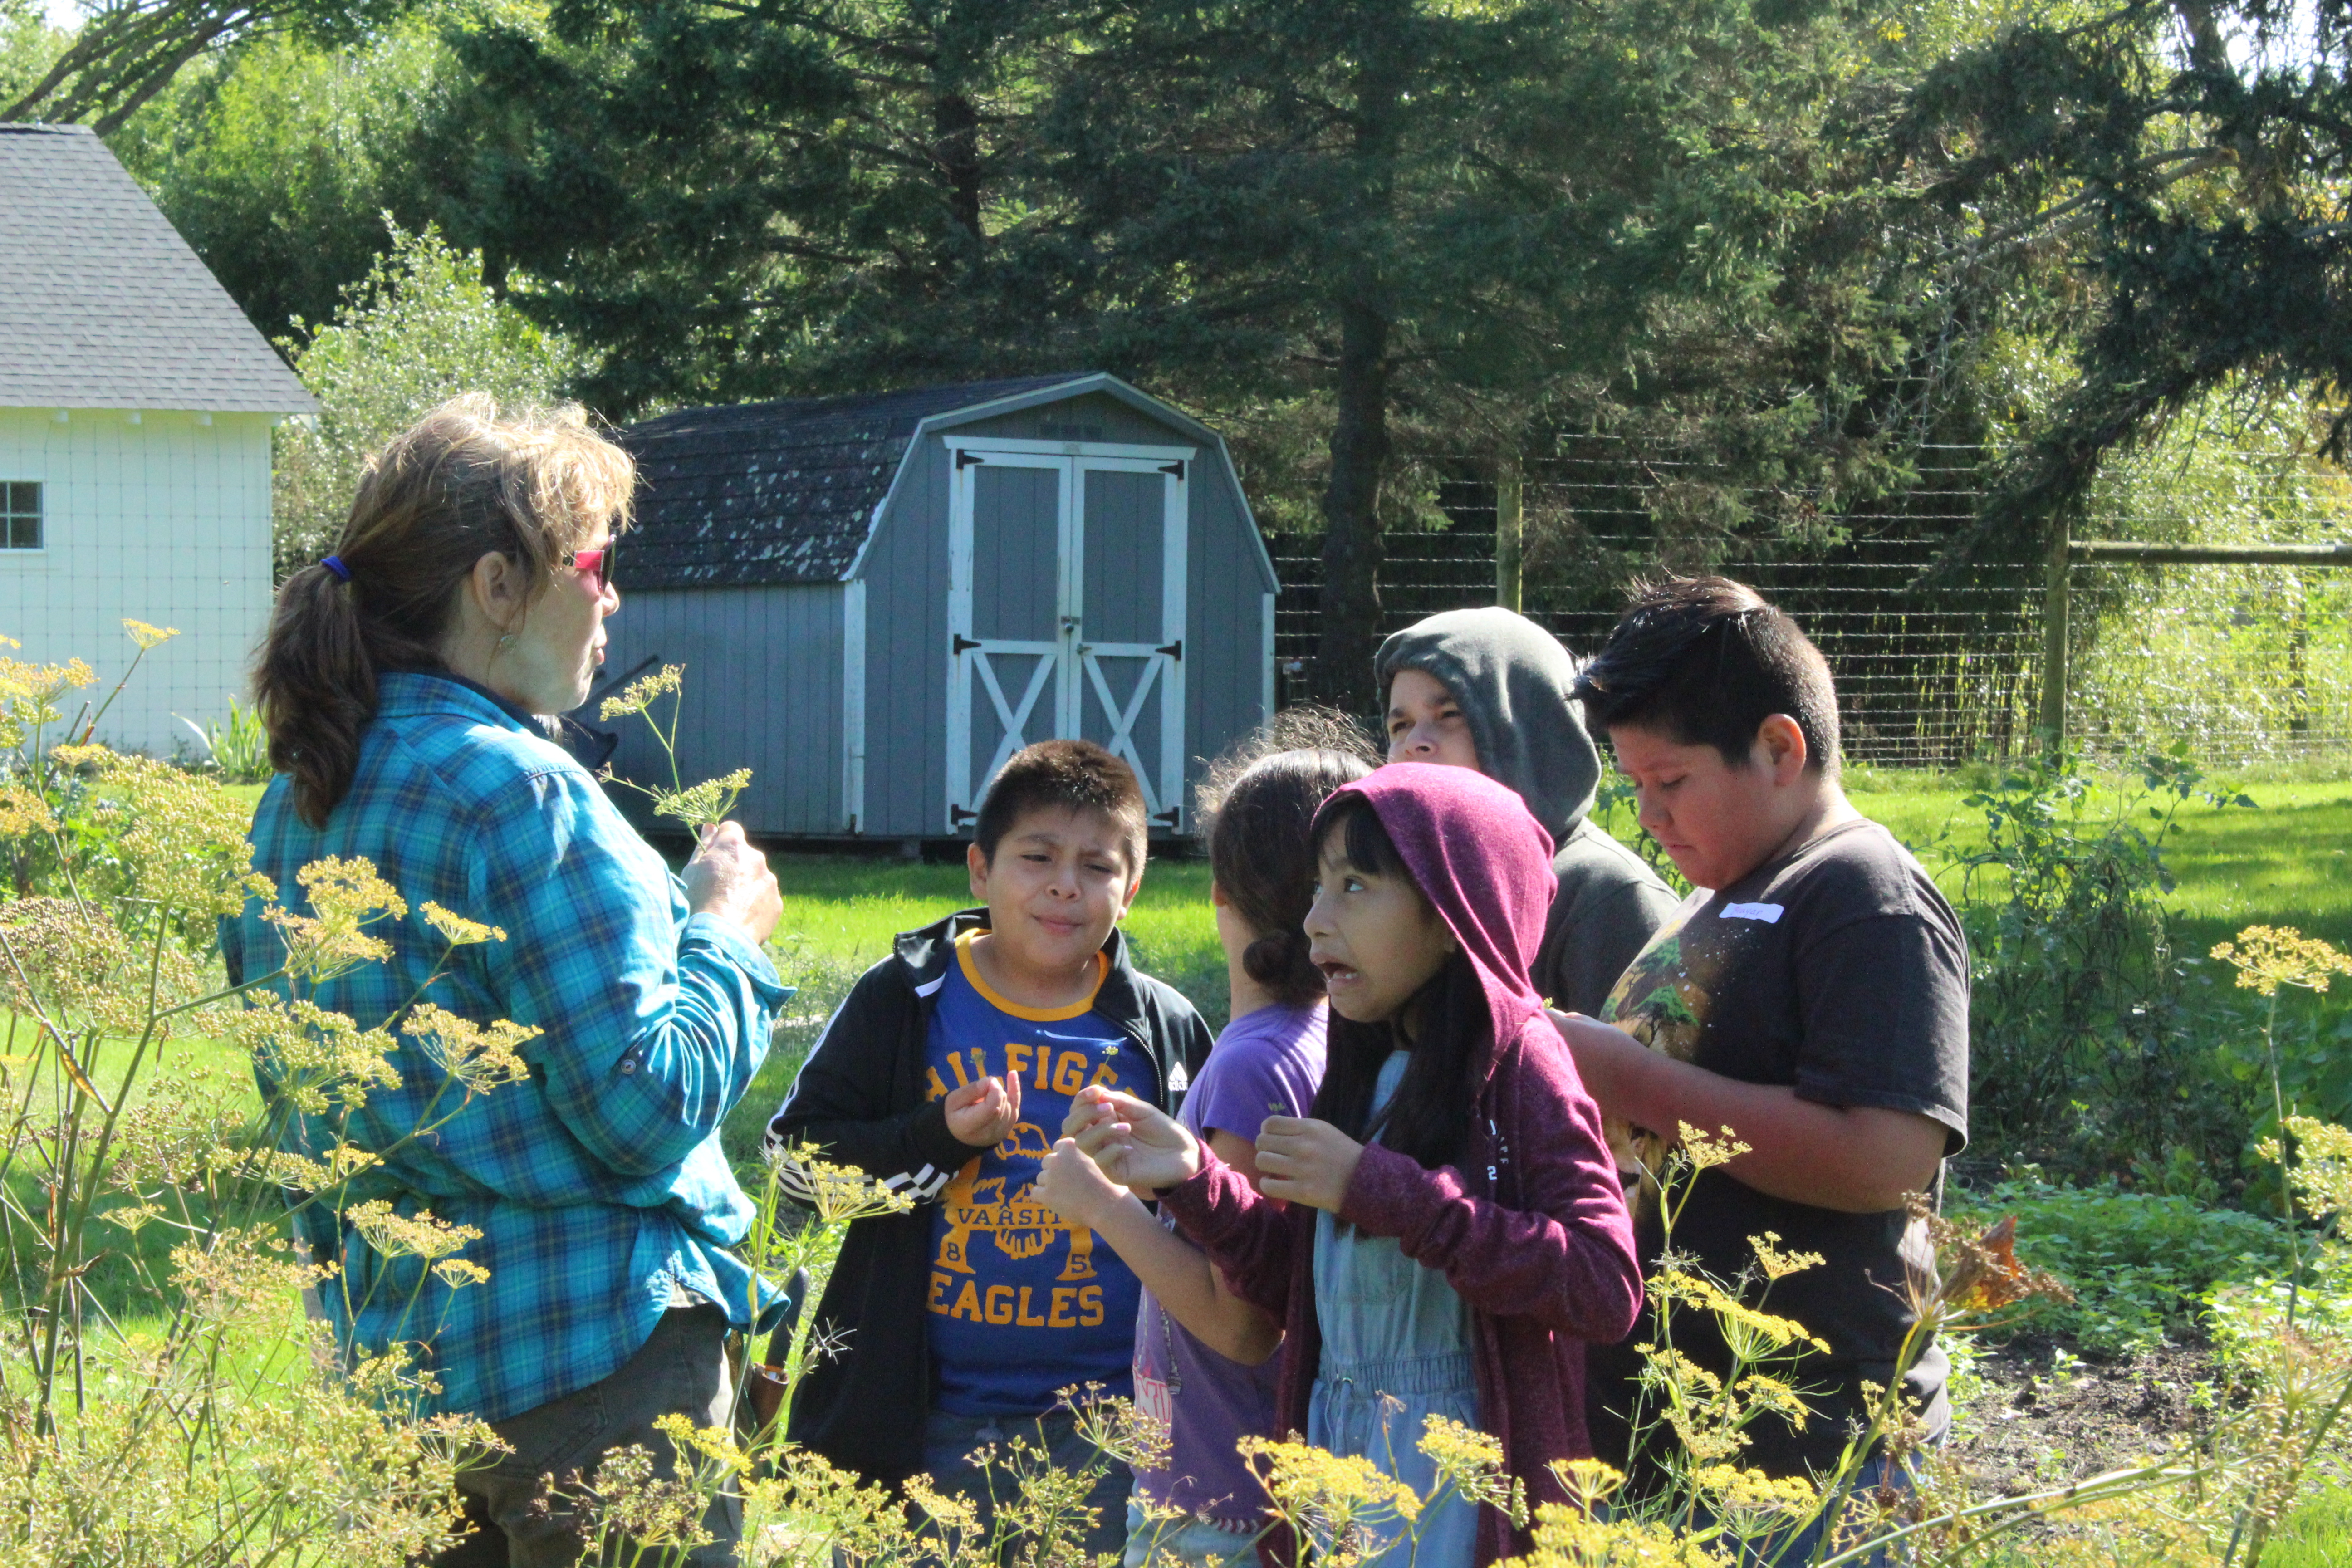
[1351, 540]
[955, 126]
[1359, 436]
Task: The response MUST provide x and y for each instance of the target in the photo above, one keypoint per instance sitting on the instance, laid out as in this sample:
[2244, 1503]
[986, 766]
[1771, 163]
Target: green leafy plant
[2139, 1263]
[239, 747]
[2084, 1053]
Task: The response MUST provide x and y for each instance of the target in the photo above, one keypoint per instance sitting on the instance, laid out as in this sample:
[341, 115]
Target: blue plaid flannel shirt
[598, 1185]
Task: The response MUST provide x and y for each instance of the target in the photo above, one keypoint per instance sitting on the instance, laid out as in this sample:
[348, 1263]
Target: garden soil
[2039, 1417]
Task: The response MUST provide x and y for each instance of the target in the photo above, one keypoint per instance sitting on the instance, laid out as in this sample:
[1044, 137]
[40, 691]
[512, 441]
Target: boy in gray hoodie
[1489, 690]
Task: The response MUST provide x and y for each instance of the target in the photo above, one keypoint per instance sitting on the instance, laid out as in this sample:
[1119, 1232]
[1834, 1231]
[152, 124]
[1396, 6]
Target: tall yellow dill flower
[2322, 1172]
[1777, 1264]
[1705, 1150]
[1471, 1462]
[456, 929]
[2267, 957]
[1345, 1504]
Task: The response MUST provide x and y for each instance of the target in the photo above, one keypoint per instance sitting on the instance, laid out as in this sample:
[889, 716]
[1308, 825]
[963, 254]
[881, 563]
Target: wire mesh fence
[1937, 664]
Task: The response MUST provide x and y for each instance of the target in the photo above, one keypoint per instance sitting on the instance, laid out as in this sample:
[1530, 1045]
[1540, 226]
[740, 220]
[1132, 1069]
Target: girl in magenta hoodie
[1447, 1230]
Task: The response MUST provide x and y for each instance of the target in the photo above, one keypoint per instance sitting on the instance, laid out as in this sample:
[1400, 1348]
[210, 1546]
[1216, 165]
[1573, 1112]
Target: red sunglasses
[600, 561]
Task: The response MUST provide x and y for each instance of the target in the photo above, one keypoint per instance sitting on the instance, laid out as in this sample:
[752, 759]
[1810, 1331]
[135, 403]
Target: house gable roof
[105, 306]
[785, 491]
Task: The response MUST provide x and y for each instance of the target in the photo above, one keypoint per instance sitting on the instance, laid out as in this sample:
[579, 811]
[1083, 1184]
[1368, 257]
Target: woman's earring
[505, 642]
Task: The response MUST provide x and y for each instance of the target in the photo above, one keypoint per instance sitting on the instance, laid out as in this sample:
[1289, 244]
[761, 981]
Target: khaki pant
[681, 1369]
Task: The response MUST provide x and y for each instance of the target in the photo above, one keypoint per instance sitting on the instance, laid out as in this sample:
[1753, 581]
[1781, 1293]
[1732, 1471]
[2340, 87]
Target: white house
[136, 403]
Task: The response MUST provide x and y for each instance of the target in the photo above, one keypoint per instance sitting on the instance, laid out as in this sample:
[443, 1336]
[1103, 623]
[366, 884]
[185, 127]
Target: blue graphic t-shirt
[1022, 1305]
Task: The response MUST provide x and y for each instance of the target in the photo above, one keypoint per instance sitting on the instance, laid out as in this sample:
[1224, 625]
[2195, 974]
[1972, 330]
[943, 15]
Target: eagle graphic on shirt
[1018, 1225]
[1665, 999]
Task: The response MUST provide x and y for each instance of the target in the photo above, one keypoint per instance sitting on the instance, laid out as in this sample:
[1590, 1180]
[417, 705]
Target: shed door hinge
[1170, 816]
[1176, 468]
[957, 816]
[965, 457]
[959, 643]
[1174, 651]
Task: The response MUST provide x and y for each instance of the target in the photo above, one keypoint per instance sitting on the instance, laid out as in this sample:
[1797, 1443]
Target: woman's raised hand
[1303, 1161]
[729, 879]
[1136, 1145]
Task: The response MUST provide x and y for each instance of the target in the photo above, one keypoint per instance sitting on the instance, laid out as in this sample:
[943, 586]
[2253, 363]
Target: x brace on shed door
[1065, 610]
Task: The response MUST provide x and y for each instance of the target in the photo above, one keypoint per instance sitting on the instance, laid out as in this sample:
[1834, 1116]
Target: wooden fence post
[1507, 533]
[2053, 723]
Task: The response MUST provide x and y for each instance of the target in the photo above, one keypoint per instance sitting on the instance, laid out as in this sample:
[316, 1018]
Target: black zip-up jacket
[859, 1097]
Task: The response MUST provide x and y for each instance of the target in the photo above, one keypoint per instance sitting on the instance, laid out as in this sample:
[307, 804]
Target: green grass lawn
[2280, 863]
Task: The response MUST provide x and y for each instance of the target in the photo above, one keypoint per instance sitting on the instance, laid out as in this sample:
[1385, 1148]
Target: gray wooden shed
[880, 599]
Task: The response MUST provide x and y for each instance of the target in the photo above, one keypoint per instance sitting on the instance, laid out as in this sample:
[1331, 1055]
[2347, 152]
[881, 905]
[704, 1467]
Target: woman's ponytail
[315, 686]
[461, 483]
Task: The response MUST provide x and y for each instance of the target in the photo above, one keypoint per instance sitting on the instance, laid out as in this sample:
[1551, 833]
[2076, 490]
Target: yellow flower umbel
[1345, 1506]
[2267, 957]
[838, 1193]
[347, 896]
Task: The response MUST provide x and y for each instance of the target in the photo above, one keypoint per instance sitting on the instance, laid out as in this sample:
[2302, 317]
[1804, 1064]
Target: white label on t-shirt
[1151, 1399]
[1768, 913]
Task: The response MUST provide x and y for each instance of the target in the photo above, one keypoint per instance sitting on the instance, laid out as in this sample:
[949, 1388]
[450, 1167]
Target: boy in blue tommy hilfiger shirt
[948, 1073]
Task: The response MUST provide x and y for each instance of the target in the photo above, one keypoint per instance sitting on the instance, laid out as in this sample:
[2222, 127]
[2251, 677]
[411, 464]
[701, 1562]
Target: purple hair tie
[335, 563]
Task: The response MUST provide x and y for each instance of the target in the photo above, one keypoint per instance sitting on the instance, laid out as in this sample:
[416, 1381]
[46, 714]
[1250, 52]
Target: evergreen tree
[1476, 213]
[746, 201]
[2186, 161]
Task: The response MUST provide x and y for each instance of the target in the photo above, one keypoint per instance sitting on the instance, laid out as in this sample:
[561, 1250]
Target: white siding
[166, 520]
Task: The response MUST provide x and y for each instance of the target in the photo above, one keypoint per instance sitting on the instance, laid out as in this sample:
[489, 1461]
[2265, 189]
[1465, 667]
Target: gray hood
[1512, 678]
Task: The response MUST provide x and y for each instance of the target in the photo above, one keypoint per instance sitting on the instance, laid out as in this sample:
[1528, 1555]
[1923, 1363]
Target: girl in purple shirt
[1203, 1357]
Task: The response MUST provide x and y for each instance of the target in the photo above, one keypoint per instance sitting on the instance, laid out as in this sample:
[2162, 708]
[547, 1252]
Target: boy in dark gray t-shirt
[1813, 994]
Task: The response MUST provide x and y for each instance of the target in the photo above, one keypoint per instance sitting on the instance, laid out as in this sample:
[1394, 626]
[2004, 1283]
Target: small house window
[20, 515]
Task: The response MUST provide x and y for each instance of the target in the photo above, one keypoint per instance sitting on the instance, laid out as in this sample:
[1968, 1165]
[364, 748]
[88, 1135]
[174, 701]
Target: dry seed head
[395, 1235]
[480, 1056]
[1704, 1151]
[1777, 1264]
[640, 693]
[456, 929]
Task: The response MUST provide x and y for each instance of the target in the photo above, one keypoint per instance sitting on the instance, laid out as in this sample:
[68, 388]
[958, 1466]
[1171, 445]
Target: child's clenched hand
[1137, 1144]
[1306, 1162]
[982, 1113]
[1075, 1187]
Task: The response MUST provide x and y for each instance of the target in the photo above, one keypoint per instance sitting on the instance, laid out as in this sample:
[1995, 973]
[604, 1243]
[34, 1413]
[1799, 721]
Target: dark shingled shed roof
[776, 492]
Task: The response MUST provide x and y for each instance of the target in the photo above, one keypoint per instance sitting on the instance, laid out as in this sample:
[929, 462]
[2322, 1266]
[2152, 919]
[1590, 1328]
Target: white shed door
[1066, 611]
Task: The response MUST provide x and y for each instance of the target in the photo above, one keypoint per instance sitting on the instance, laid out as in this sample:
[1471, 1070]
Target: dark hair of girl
[461, 483]
[1429, 1118]
[1259, 820]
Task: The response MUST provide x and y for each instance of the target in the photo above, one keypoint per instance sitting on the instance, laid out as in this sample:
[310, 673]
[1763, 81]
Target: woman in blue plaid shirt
[406, 681]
